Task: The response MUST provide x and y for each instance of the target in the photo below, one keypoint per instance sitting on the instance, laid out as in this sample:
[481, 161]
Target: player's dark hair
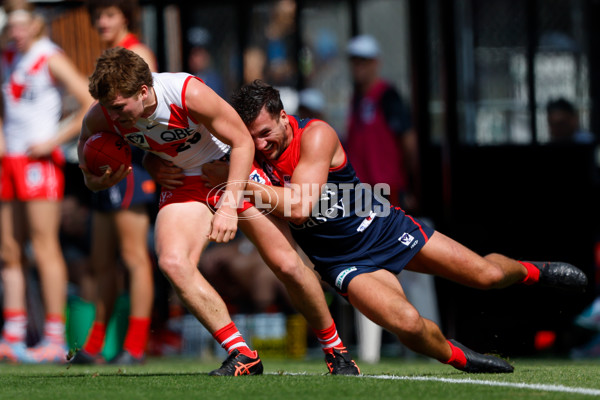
[252, 97]
[560, 104]
[127, 7]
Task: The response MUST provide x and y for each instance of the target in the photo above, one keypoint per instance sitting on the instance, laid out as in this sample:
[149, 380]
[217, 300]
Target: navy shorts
[137, 188]
[395, 240]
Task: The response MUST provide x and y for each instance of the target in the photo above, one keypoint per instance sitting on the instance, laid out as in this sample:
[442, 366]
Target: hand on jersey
[96, 183]
[164, 172]
[215, 173]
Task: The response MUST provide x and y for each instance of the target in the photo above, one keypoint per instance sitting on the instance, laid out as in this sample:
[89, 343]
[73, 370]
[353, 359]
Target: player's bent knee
[136, 261]
[172, 266]
[10, 254]
[408, 323]
[287, 269]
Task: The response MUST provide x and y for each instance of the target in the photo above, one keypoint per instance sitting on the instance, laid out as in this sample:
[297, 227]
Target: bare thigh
[270, 235]
[445, 257]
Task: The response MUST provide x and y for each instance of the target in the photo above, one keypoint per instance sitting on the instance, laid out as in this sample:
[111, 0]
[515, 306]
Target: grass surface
[177, 378]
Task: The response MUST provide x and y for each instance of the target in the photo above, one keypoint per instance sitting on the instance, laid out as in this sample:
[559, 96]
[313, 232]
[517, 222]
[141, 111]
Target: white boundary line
[469, 381]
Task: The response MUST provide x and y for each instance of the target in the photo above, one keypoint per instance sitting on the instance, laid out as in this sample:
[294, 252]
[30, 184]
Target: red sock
[137, 336]
[329, 338]
[457, 359]
[95, 339]
[230, 339]
[533, 273]
[15, 325]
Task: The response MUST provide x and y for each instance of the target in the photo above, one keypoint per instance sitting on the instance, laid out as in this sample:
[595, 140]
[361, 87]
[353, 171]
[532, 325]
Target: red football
[106, 149]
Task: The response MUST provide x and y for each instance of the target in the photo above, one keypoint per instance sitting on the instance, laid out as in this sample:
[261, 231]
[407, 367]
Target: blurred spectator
[563, 123]
[34, 71]
[255, 61]
[200, 59]
[279, 32]
[115, 22]
[382, 146]
[381, 141]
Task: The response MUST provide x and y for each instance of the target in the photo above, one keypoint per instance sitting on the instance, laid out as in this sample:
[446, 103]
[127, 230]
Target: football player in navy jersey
[358, 250]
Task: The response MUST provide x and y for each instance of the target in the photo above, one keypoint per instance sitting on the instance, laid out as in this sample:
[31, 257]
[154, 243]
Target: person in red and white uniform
[34, 71]
[122, 208]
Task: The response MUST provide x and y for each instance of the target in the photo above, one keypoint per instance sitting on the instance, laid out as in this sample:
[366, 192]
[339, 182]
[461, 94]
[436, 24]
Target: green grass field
[180, 378]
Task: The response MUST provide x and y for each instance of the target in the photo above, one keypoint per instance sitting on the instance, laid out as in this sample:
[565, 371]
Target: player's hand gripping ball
[104, 150]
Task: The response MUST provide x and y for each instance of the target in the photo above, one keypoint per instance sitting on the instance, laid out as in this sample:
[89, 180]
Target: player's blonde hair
[119, 72]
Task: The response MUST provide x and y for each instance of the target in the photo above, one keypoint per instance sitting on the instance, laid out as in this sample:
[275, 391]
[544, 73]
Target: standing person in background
[381, 142]
[32, 181]
[200, 61]
[121, 209]
[563, 123]
[114, 19]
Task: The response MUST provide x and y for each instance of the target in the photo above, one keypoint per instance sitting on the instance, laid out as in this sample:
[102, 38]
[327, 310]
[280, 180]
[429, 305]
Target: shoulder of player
[318, 135]
[199, 96]
[195, 86]
[318, 130]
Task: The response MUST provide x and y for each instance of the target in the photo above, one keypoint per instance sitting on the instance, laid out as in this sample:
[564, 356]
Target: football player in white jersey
[184, 123]
[34, 70]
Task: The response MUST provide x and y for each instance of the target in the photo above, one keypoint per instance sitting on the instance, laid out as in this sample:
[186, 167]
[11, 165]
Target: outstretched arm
[320, 150]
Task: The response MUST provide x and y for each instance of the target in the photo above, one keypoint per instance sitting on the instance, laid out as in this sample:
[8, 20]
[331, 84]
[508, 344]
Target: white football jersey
[32, 99]
[170, 132]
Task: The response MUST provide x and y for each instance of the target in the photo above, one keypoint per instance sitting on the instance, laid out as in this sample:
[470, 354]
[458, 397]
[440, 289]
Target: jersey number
[189, 142]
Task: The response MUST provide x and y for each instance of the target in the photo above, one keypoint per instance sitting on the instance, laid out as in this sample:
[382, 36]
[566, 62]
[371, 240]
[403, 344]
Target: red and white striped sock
[15, 325]
[329, 338]
[54, 328]
[230, 339]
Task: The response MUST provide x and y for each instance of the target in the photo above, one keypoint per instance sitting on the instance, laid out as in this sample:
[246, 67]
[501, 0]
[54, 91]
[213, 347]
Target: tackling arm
[320, 150]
